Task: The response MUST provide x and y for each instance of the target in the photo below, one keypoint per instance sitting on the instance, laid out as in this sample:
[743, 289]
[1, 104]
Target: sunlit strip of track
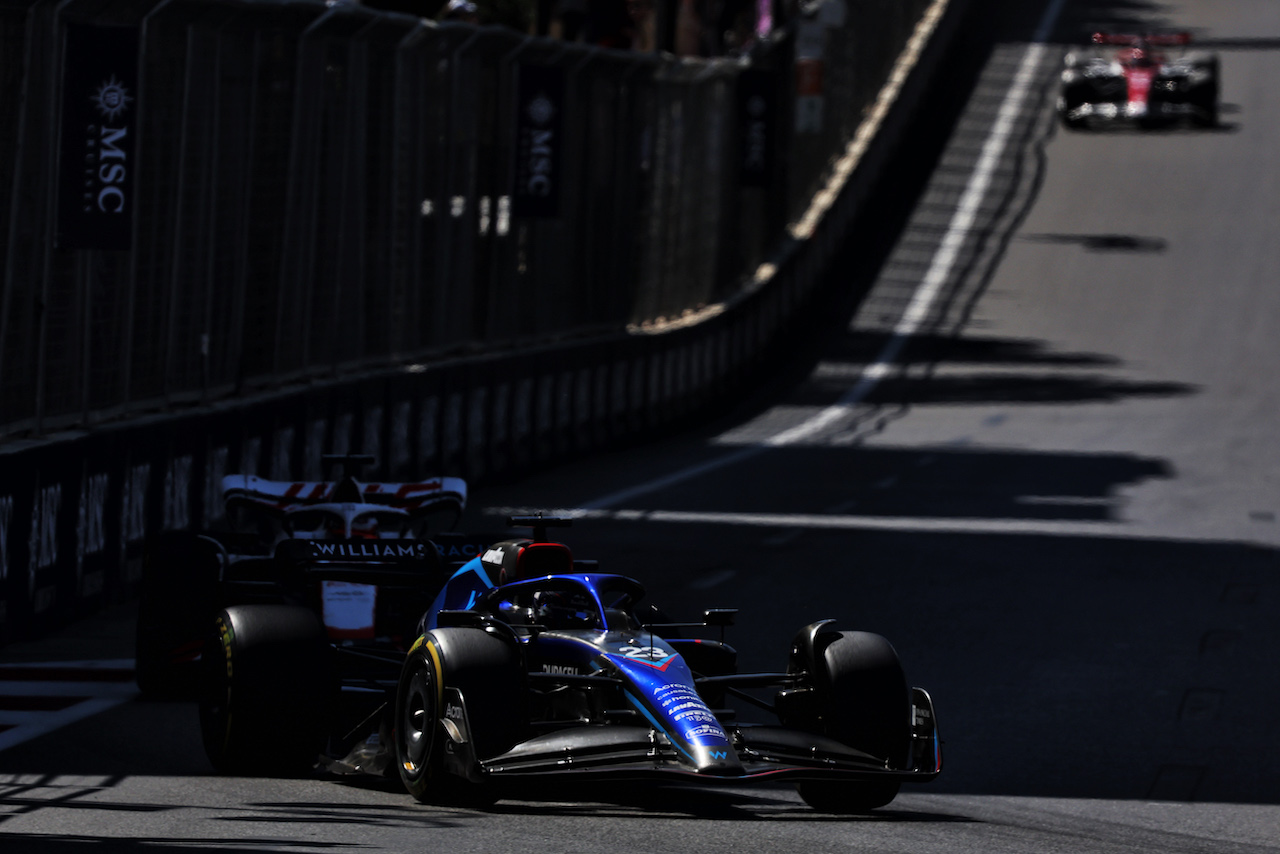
[922, 302]
[847, 522]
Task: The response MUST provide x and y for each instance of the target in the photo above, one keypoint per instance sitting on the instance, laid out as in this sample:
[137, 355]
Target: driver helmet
[1140, 55]
[556, 609]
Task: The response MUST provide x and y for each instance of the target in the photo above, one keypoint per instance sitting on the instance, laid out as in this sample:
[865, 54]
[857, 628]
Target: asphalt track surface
[1060, 502]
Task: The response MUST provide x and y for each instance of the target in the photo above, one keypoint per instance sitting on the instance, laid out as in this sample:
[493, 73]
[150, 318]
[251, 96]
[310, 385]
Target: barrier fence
[349, 230]
[202, 198]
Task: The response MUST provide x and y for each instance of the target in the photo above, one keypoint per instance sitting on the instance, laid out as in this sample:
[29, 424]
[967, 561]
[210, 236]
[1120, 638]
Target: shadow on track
[1062, 665]
[1103, 242]
[621, 800]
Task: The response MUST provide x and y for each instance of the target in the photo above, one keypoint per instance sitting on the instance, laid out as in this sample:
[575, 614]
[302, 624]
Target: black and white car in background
[1142, 79]
[189, 576]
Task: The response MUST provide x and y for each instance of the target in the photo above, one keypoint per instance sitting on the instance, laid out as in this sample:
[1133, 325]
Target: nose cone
[710, 747]
[662, 688]
[717, 761]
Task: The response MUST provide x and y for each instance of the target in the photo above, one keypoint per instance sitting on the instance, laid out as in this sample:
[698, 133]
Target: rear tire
[1074, 124]
[863, 702]
[267, 683]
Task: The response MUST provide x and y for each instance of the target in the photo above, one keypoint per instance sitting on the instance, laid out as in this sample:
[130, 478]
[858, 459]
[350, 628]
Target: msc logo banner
[757, 110]
[99, 130]
[539, 140]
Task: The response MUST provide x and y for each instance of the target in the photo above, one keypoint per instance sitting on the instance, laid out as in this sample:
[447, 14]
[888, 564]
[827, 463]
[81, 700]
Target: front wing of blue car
[627, 752]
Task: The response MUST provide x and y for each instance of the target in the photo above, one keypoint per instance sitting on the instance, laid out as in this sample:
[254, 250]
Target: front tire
[1206, 98]
[488, 670]
[418, 732]
[863, 701]
[1072, 97]
[266, 686]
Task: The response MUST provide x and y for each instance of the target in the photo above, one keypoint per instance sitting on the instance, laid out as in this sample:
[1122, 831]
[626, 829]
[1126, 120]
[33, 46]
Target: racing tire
[863, 701]
[177, 597]
[1072, 97]
[266, 683]
[419, 742]
[1206, 98]
[488, 671]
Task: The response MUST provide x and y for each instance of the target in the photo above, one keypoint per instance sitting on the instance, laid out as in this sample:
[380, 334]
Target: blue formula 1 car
[531, 664]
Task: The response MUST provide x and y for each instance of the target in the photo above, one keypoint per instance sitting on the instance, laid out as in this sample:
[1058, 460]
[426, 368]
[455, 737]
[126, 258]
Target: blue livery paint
[461, 591]
[662, 689]
[583, 623]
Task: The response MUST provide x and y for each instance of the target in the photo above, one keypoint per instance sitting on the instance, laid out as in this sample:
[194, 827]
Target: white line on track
[95, 696]
[917, 312]
[36, 725]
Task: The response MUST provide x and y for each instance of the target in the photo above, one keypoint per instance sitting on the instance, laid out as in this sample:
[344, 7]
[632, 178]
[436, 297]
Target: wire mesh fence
[248, 194]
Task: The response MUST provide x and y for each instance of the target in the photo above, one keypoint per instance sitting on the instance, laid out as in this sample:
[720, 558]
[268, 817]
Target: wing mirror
[719, 616]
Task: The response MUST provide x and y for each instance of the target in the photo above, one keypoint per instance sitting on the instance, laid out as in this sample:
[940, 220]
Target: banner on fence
[539, 141]
[99, 128]
[757, 120]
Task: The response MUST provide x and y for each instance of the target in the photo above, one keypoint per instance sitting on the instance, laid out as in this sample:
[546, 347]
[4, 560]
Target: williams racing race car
[1145, 79]
[188, 576]
[530, 664]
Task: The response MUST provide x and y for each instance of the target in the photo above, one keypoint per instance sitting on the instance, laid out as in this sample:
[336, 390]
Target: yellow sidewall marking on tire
[438, 674]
